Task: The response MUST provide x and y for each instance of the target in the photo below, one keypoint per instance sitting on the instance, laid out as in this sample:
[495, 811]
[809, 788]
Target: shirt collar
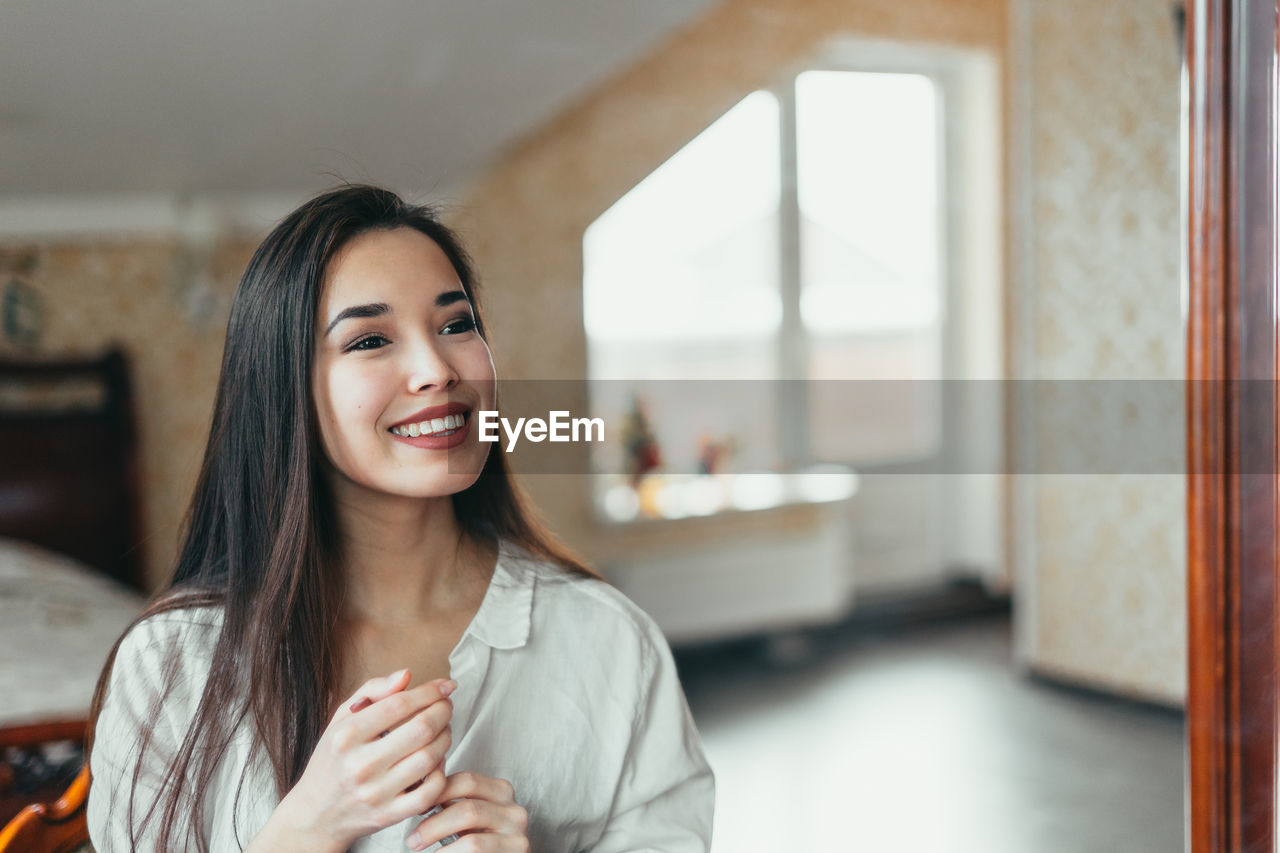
[502, 622]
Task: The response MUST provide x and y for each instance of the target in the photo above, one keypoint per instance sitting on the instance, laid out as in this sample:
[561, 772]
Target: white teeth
[435, 425]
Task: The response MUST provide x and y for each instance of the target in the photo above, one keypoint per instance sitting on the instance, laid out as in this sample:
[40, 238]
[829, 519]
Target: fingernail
[395, 676]
[448, 687]
[415, 843]
[360, 704]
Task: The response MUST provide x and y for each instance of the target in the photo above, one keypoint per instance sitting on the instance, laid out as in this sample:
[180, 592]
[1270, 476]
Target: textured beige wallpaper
[1109, 578]
[140, 295]
[527, 215]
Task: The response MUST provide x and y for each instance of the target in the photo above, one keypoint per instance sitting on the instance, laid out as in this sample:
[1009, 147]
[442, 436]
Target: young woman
[364, 623]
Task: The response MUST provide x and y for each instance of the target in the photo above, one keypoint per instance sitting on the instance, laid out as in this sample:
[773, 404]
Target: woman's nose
[431, 368]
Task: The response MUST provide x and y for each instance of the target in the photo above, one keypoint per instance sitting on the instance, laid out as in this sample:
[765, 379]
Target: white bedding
[58, 621]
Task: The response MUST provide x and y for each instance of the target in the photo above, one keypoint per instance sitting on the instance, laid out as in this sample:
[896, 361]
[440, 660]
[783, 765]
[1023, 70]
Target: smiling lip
[437, 442]
[434, 412]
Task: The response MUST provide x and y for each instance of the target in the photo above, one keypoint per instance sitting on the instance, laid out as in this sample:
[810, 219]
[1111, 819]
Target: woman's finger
[391, 711]
[415, 803]
[414, 767]
[468, 816]
[478, 786]
[374, 689]
[411, 735]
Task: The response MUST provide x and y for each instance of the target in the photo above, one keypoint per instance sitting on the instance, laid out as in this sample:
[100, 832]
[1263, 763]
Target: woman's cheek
[358, 396]
[479, 368]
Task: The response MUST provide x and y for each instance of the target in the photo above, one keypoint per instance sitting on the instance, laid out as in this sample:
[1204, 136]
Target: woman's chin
[406, 485]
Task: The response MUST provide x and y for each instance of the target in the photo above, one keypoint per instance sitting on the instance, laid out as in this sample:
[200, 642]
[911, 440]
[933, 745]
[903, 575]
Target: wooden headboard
[69, 477]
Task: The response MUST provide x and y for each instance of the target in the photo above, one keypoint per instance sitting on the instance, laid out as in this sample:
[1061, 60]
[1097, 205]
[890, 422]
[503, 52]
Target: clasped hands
[380, 761]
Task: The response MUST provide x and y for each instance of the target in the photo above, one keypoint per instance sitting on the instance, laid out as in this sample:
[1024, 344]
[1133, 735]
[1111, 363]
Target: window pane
[680, 281]
[868, 184]
[680, 276]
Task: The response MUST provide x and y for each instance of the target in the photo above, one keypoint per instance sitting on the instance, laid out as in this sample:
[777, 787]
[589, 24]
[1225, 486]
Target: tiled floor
[924, 740]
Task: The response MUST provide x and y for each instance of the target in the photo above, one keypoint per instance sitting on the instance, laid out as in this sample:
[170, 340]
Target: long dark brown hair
[258, 539]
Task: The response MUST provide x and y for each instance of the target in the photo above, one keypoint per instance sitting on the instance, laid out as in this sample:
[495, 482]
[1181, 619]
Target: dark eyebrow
[377, 309]
[373, 309]
[449, 297]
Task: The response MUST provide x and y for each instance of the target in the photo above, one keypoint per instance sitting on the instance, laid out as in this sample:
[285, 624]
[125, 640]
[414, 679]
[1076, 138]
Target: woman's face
[399, 370]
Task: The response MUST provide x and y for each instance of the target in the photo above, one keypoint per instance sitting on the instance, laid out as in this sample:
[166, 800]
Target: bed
[71, 562]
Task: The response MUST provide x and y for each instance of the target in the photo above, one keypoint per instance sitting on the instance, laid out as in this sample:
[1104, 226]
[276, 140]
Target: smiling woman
[365, 626]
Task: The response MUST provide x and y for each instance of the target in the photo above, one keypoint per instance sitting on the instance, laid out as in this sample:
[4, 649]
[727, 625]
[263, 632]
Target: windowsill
[668, 497]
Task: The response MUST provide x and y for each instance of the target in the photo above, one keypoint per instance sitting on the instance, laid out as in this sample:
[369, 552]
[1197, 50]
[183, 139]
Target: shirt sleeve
[666, 795]
[148, 665]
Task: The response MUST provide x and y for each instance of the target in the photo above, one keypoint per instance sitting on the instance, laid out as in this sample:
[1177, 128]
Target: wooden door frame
[1232, 734]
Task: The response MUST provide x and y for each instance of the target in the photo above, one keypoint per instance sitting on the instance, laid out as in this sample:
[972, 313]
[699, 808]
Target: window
[807, 234]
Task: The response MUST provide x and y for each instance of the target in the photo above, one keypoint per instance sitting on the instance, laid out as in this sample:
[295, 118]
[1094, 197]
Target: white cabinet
[773, 580]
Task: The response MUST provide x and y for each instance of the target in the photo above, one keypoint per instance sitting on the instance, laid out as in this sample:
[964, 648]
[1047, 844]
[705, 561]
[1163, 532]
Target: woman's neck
[404, 559]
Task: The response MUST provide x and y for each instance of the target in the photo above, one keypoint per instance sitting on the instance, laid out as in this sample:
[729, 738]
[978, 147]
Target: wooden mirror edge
[1231, 426]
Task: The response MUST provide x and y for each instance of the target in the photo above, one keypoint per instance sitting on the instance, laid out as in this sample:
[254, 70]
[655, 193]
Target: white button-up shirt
[565, 688]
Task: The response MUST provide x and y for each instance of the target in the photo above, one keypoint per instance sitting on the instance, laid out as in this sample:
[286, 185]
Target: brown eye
[457, 327]
[369, 342]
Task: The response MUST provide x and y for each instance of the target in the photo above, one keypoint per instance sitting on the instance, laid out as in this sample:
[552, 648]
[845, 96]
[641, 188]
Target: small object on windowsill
[643, 454]
[714, 453]
[675, 496]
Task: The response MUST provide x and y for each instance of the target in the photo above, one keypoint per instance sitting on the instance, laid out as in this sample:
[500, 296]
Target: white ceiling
[232, 96]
